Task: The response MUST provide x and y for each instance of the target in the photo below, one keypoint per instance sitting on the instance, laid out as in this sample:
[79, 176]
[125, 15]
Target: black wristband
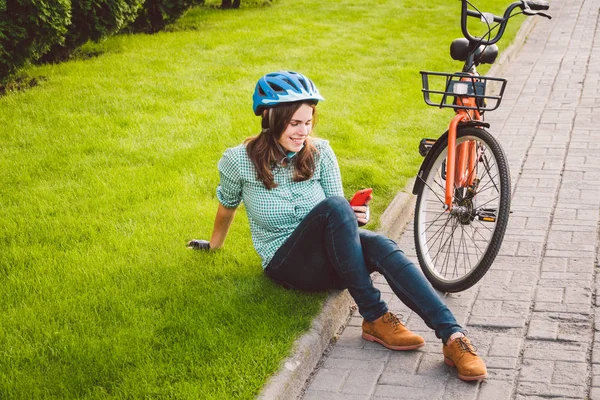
[198, 244]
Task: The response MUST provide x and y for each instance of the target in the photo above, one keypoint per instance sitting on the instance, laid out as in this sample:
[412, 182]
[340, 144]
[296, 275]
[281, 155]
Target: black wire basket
[452, 90]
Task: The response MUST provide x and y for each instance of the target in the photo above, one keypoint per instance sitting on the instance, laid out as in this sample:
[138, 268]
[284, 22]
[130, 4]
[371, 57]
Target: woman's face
[300, 126]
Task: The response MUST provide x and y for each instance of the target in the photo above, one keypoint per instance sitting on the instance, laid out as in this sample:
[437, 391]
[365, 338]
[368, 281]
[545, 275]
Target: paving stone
[542, 329]
[565, 308]
[538, 223]
[557, 282]
[405, 362]
[519, 264]
[495, 390]
[509, 248]
[568, 253]
[580, 237]
[596, 352]
[457, 389]
[505, 346]
[595, 375]
[340, 363]
[519, 278]
[433, 365]
[502, 374]
[497, 322]
[574, 332]
[360, 354]
[329, 379]
[413, 381]
[579, 295]
[547, 390]
[529, 249]
[484, 308]
[536, 371]
[595, 393]
[500, 362]
[555, 264]
[570, 373]
[361, 382]
[351, 337]
[412, 393]
[515, 293]
[431, 347]
[559, 239]
[320, 395]
[555, 351]
[550, 295]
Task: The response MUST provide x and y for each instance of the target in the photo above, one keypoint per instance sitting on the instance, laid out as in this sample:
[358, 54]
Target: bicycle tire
[450, 247]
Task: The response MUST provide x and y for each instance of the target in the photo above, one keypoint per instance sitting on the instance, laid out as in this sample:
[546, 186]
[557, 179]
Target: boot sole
[370, 338]
[465, 377]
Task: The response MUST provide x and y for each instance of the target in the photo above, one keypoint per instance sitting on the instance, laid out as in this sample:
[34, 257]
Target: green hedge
[94, 20]
[28, 28]
[49, 30]
[156, 14]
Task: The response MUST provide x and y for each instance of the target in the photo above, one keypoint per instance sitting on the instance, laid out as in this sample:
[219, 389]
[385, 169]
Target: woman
[307, 233]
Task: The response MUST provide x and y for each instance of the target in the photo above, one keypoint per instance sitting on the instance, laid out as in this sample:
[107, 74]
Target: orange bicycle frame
[462, 158]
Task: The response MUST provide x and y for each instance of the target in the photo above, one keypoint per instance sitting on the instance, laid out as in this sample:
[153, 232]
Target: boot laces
[394, 319]
[465, 345]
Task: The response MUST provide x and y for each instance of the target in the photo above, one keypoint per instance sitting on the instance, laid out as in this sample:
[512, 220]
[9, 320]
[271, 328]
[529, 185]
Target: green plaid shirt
[274, 214]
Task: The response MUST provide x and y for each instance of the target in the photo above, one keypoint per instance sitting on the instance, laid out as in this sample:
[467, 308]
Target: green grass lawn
[108, 167]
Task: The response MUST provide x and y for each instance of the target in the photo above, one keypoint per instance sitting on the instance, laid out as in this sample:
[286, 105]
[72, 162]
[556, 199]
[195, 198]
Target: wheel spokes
[455, 243]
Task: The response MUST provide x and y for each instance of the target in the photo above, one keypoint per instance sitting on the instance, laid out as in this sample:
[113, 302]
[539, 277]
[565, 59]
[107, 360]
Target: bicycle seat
[461, 48]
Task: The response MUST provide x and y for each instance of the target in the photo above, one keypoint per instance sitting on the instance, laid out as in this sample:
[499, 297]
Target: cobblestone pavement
[534, 317]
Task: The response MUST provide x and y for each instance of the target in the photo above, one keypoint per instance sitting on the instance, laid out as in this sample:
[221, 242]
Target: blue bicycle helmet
[283, 87]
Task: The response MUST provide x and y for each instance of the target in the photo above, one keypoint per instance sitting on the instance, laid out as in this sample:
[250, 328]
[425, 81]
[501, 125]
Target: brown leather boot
[460, 353]
[389, 331]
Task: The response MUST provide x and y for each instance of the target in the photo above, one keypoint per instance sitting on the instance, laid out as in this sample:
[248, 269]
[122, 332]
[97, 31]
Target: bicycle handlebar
[529, 7]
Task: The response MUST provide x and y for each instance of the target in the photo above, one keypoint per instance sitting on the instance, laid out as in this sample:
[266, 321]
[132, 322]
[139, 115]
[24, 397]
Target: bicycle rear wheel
[456, 248]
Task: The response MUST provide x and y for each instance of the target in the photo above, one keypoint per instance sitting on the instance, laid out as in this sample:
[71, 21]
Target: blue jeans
[328, 251]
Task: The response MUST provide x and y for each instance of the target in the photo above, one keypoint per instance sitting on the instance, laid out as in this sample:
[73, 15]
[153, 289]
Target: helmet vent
[288, 81]
[276, 88]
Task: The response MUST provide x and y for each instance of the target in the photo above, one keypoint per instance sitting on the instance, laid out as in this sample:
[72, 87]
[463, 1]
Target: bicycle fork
[458, 172]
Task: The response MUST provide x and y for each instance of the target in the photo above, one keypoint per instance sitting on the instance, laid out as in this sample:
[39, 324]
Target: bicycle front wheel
[456, 247]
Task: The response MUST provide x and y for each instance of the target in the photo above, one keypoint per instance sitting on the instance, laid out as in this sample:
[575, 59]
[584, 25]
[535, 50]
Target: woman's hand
[198, 244]
[362, 212]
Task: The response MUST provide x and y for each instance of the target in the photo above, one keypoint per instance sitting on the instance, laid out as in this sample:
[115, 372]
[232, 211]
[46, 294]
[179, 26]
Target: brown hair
[265, 151]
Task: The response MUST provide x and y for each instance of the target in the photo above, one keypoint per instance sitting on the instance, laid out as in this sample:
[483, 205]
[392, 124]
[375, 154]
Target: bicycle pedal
[487, 214]
[425, 145]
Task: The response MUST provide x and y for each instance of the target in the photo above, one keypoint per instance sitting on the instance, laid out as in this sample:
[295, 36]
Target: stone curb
[289, 381]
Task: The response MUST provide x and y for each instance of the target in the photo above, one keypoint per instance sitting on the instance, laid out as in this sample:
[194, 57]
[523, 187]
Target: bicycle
[463, 185]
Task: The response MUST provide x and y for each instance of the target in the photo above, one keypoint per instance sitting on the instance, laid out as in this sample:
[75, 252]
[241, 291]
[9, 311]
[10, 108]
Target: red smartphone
[360, 197]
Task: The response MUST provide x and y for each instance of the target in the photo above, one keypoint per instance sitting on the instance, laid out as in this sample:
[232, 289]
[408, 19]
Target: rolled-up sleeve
[229, 191]
[331, 179]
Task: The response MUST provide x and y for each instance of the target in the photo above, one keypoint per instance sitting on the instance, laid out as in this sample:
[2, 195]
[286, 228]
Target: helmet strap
[285, 159]
[265, 121]
[271, 117]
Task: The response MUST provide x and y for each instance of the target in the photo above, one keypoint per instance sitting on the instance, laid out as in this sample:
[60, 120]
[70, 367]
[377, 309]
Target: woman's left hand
[362, 212]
